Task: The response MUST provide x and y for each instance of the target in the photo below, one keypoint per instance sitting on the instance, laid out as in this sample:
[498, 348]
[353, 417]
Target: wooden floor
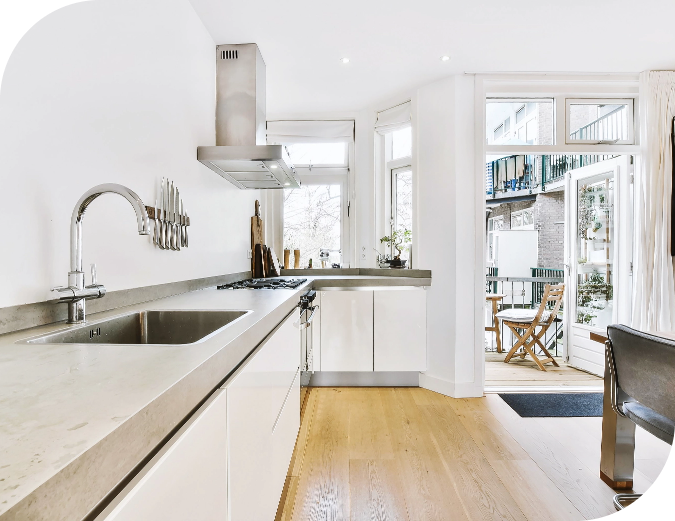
[395, 454]
[523, 372]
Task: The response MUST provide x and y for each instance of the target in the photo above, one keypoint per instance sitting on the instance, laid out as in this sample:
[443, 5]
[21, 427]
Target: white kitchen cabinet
[263, 413]
[400, 330]
[187, 479]
[230, 460]
[347, 330]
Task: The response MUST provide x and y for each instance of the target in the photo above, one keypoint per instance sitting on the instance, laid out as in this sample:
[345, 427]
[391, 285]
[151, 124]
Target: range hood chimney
[242, 155]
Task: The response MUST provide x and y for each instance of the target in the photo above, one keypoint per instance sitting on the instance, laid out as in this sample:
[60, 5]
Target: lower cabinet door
[187, 479]
[256, 423]
[347, 330]
[400, 318]
[285, 434]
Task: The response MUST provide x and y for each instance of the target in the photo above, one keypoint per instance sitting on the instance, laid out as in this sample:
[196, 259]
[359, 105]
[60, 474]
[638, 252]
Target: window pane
[522, 122]
[401, 143]
[318, 153]
[595, 250]
[403, 215]
[312, 220]
[595, 122]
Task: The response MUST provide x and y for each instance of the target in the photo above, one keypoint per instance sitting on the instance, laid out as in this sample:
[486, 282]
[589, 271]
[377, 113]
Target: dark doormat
[541, 405]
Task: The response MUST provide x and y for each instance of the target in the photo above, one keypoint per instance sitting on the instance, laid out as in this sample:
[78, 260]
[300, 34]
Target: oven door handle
[308, 322]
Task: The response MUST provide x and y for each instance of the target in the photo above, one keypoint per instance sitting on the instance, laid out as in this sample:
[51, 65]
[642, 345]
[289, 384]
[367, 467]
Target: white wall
[112, 91]
[447, 234]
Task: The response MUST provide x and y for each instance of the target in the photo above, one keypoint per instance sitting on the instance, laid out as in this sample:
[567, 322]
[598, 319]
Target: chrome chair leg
[621, 501]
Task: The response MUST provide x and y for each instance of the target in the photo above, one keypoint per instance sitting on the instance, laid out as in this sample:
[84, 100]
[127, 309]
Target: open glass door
[599, 247]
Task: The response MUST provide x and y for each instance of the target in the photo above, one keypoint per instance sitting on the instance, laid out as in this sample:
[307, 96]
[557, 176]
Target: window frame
[328, 166]
[630, 102]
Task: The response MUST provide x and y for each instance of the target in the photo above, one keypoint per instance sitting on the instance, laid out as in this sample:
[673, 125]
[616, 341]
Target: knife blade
[182, 224]
[187, 242]
[177, 219]
[172, 197]
[160, 217]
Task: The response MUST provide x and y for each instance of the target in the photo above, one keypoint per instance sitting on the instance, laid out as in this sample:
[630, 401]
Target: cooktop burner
[264, 284]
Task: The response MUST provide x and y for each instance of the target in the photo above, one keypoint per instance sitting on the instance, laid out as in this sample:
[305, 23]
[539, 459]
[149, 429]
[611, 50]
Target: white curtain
[393, 118]
[307, 131]
[653, 281]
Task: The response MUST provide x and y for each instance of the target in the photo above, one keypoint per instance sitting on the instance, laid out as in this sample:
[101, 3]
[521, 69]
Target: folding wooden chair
[526, 320]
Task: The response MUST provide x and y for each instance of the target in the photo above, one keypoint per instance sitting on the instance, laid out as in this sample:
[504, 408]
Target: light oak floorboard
[376, 492]
[369, 436]
[534, 492]
[582, 487]
[323, 488]
[409, 454]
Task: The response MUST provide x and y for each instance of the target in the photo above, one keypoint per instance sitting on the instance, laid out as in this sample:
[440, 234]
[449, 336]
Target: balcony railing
[532, 173]
[523, 292]
[612, 126]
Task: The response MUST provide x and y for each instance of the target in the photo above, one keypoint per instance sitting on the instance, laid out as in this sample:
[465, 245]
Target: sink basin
[146, 327]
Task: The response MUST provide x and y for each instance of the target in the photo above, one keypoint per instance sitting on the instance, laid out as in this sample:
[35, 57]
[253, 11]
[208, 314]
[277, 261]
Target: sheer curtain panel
[653, 281]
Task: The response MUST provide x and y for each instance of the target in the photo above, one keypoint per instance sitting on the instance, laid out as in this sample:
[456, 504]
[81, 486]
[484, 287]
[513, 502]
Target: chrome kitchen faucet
[76, 293]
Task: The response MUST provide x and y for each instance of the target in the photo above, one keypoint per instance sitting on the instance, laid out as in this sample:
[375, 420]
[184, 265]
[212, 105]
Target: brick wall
[549, 209]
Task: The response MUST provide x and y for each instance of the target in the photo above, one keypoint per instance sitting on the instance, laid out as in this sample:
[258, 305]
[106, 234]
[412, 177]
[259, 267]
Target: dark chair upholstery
[642, 371]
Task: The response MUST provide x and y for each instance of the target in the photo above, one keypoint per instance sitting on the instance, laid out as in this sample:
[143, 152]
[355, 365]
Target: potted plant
[398, 240]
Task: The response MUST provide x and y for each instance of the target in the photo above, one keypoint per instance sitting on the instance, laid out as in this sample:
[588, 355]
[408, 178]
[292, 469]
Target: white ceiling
[396, 45]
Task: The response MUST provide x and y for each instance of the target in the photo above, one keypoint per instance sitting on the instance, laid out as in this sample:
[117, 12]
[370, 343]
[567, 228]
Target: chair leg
[515, 347]
[534, 357]
[548, 355]
[495, 322]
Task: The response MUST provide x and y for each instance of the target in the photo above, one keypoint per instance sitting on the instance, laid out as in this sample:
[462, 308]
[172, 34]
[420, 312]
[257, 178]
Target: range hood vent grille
[229, 55]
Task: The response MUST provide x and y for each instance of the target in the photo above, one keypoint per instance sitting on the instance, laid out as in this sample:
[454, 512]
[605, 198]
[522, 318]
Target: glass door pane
[594, 244]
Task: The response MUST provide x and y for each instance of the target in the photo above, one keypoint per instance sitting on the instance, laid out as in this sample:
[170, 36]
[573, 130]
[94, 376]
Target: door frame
[623, 247]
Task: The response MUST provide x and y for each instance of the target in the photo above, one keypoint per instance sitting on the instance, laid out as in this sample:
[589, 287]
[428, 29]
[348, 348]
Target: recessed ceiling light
[445, 58]
[273, 166]
[287, 184]
[345, 60]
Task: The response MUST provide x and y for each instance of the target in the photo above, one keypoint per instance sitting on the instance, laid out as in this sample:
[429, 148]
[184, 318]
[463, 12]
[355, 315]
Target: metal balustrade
[522, 293]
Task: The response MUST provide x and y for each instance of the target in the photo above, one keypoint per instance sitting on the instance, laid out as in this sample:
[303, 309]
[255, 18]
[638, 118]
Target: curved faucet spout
[78, 214]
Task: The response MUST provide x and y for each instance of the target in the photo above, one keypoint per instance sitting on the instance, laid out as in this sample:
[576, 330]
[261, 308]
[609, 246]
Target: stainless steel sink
[145, 327]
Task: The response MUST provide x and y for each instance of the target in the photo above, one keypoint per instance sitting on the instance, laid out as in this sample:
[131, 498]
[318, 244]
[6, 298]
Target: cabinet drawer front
[346, 330]
[187, 479]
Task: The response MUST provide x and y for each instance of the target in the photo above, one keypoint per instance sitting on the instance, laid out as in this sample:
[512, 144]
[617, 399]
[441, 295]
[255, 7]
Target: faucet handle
[93, 274]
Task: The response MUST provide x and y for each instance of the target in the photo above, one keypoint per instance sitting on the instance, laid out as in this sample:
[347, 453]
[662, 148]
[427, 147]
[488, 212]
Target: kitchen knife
[182, 224]
[187, 242]
[170, 217]
[155, 237]
[177, 219]
[165, 215]
[160, 216]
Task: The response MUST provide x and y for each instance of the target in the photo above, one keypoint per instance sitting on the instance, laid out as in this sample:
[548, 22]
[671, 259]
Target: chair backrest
[645, 367]
[554, 295]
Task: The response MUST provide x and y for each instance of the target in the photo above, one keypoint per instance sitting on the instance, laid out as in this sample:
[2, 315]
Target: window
[519, 122]
[313, 220]
[401, 181]
[401, 143]
[318, 154]
[523, 219]
[495, 224]
[599, 121]
[499, 131]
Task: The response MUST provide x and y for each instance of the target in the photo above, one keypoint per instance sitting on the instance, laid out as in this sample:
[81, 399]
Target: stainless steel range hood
[242, 155]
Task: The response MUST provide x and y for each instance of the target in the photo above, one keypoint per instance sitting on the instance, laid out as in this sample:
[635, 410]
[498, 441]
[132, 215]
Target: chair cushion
[522, 316]
[650, 420]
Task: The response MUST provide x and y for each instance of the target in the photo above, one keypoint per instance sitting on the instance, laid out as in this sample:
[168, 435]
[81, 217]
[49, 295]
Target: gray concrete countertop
[77, 418]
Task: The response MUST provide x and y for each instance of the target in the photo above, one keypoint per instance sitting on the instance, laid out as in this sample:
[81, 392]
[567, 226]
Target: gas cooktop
[264, 284]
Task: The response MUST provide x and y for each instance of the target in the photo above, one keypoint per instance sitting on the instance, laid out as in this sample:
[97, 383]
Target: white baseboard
[452, 389]
[365, 379]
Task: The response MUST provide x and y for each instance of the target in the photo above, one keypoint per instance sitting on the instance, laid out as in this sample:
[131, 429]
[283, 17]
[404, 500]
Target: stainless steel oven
[307, 314]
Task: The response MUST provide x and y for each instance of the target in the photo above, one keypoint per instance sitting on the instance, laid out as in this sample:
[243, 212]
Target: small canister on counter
[296, 254]
[287, 259]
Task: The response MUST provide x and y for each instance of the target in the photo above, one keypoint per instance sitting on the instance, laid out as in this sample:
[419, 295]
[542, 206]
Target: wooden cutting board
[257, 235]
